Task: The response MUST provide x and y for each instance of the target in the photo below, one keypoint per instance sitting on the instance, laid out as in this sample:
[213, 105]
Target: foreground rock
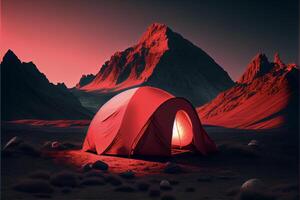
[100, 165]
[13, 142]
[165, 185]
[172, 168]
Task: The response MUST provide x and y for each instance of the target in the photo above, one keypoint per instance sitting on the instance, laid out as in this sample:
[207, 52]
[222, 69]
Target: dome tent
[146, 121]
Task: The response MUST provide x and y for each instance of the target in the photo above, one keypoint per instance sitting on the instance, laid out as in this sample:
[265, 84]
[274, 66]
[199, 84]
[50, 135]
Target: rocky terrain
[164, 59]
[26, 93]
[266, 96]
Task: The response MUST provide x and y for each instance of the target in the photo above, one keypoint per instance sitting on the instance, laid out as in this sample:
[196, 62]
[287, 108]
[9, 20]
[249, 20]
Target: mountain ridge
[261, 99]
[28, 94]
[163, 58]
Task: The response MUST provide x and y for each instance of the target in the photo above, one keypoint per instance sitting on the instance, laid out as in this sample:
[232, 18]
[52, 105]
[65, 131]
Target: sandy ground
[275, 162]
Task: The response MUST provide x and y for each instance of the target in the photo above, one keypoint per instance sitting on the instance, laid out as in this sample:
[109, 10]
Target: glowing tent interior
[146, 121]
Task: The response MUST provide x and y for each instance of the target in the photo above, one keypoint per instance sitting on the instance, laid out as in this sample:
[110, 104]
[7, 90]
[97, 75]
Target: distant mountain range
[266, 96]
[26, 93]
[164, 59]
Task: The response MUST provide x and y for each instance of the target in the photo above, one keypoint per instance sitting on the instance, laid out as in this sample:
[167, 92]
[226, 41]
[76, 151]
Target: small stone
[100, 165]
[86, 167]
[253, 185]
[253, 143]
[12, 143]
[165, 185]
[172, 168]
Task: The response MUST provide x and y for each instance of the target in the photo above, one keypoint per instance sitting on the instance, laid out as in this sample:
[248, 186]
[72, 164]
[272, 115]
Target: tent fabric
[140, 121]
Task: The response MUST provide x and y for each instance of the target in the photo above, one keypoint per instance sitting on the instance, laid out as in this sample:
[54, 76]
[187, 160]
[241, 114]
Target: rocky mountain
[164, 59]
[84, 80]
[26, 93]
[266, 96]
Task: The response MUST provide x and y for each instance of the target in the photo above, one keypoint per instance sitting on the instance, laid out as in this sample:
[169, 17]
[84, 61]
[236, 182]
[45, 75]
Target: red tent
[146, 121]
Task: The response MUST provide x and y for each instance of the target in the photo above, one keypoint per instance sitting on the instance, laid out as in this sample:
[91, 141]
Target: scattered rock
[86, 167]
[92, 181]
[254, 189]
[168, 197]
[253, 143]
[34, 186]
[57, 146]
[47, 145]
[143, 186]
[40, 175]
[165, 185]
[125, 188]
[13, 142]
[100, 165]
[64, 179]
[172, 168]
[253, 185]
[127, 175]
[190, 189]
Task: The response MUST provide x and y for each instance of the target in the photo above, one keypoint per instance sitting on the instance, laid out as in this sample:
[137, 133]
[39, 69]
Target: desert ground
[30, 171]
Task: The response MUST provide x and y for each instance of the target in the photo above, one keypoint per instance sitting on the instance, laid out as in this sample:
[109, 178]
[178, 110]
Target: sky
[69, 38]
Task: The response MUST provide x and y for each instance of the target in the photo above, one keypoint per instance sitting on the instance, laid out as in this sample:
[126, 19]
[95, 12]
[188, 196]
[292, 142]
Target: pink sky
[69, 38]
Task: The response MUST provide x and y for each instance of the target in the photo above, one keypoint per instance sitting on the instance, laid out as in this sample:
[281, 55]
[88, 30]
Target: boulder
[165, 185]
[100, 165]
[253, 185]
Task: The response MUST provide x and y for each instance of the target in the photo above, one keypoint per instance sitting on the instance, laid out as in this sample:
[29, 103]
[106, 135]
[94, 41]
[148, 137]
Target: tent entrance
[182, 130]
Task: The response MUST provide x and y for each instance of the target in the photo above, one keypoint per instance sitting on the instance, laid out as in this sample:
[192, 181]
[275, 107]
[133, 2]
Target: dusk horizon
[66, 49]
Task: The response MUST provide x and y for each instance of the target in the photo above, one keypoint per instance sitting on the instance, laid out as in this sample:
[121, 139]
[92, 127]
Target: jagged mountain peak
[155, 30]
[162, 58]
[278, 61]
[258, 66]
[10, 56]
